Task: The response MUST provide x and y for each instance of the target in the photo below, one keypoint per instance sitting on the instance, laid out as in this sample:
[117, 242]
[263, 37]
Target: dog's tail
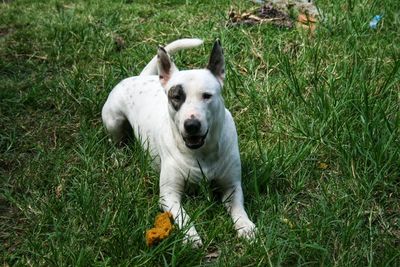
[172, 48]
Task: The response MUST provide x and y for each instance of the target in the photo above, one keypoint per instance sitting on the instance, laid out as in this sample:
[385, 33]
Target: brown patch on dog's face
[176, 96]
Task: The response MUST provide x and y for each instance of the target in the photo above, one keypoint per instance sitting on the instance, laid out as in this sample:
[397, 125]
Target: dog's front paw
[194, 242]
[192, 238]
[246, 229]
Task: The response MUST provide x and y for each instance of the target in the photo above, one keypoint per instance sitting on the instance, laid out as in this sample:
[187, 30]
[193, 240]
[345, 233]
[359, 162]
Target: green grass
[318, 121]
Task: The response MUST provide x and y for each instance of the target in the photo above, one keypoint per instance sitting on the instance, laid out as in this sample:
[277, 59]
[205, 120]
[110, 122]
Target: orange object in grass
[307, 22]
[163, 226]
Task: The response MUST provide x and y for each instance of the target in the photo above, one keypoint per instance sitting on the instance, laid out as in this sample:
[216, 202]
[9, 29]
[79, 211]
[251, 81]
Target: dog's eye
[207, 96]
[177, 98]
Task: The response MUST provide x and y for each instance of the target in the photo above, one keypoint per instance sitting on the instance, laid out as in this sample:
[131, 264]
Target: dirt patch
[306, 7]
[280, 13]
[265, 14]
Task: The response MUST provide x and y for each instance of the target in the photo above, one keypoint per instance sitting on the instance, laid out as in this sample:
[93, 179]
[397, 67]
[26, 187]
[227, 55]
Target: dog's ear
[217, 63]
[164, 65]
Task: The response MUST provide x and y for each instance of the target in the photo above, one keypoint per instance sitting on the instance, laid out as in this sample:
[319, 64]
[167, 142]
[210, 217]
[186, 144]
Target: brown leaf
[212, 255]
[307, 22]
[323, 165]
[59, 190]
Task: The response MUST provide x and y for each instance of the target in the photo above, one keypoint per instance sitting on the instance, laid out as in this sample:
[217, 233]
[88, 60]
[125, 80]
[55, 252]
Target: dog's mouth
[195, 141]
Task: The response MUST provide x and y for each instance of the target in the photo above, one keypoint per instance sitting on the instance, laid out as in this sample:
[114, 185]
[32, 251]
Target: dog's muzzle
[194, 141]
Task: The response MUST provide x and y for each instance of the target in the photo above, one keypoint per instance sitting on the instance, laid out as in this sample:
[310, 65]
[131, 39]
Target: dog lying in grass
[181, 118]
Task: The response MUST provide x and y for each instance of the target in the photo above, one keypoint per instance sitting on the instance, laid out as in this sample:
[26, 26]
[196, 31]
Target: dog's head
[194, 96]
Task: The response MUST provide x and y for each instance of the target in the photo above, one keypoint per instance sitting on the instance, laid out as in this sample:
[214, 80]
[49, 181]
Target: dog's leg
[115, 121]
[171, 190]
[232, 197]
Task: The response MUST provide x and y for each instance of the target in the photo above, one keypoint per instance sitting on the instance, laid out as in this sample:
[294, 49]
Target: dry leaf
[59, 190]
[212, 255]
[307, 22]
[323, 165]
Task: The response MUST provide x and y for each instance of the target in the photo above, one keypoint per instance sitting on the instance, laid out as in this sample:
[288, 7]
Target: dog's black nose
[192, 126]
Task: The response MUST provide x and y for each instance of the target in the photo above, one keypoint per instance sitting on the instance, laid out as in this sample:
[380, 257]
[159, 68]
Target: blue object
[374, 22]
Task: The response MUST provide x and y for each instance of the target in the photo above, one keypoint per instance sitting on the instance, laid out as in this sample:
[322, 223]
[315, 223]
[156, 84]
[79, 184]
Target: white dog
[181, 118]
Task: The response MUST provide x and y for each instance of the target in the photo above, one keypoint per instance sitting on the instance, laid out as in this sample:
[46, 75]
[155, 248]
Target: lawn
[318, 118]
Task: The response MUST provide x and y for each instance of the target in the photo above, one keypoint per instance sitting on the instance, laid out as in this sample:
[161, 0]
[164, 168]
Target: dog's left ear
[164, 65]
[217, 63]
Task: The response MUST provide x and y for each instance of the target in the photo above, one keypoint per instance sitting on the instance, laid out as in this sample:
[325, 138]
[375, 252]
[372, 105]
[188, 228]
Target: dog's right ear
[164, 65]
[216, 63]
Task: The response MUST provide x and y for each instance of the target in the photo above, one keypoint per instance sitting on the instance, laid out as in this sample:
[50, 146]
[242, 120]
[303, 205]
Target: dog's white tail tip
[183, 44]
[175, 46]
